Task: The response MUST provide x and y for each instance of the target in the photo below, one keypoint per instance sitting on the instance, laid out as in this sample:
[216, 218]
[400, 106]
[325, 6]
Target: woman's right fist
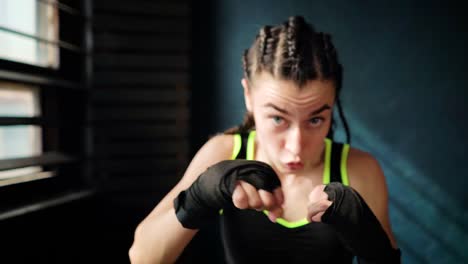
[246, 196]
[215, 187]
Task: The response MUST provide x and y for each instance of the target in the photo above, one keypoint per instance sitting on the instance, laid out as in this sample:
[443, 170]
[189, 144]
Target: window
[18, 141]
[29, 32]
[44, 84]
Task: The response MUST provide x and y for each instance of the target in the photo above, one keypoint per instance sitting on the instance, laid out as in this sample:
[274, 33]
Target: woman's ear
[247, 94]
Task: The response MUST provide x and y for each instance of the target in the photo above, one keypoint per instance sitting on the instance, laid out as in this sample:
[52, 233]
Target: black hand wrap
[358, 226]
[213, 189]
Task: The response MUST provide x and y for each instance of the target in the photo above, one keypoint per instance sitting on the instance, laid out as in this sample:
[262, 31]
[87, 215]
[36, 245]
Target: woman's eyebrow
[277, 108]
[321, 109]
[284, 111]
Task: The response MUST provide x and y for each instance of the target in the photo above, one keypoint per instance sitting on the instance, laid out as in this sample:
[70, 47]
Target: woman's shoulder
[364, 171]
[367, 178]
[217, 148]
[220, 145]
[359, 160]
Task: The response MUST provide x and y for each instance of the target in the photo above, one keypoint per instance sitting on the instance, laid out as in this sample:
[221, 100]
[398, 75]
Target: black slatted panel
[141, 24]
[158, 131]
[140, 8]
[137, 62]
[140, 44]
[154, 78]
[140, 94]
[142, 148]
[136, 95]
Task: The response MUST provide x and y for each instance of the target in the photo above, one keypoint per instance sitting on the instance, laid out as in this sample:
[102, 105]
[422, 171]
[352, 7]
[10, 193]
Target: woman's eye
[277, 120]
[316, 121]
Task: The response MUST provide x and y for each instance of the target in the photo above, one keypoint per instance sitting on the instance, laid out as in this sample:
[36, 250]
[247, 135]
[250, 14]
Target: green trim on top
[237, 146]
[251, 145]
[288, 224]
[250, 155]
[235, 151]
[343, 167]
[327, 162]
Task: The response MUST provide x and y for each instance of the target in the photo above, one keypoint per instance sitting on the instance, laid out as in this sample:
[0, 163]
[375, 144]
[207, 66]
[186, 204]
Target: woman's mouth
[293, 166]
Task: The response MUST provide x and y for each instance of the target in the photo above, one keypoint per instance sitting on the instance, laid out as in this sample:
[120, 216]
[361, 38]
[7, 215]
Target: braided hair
[293, 51]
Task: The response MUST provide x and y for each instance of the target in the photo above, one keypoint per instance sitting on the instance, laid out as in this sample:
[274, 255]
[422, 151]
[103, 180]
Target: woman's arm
[358, 213]
[367, 177]
[160, 238]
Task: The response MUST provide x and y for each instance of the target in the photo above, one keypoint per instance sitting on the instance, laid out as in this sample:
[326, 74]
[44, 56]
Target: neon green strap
[251, 145]
[235, 151]
[237, 146]
[326, 170]
[288, 224]
[344, 170]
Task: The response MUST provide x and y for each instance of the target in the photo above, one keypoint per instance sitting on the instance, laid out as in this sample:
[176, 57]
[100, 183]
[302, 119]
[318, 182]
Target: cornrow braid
[294, 28]
[291, 40]
[245, 64]
[298, 49]
[268, 58]
[290, 55]
[263, 37]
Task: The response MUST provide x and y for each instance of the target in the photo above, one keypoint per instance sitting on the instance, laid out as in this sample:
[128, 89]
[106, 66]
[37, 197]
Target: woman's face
[291, 123]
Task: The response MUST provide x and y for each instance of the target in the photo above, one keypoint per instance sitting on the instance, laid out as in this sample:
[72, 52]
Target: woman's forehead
[287, 92]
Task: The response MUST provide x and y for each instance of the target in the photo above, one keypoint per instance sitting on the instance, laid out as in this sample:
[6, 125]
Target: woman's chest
[296, 198]
[250, 233]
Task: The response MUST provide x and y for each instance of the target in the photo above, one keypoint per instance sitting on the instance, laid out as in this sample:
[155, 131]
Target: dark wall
[403, 95]
[203, 100]
[140, 96]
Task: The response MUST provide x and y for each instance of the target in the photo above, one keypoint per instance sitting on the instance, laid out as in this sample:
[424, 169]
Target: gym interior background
[103, 109]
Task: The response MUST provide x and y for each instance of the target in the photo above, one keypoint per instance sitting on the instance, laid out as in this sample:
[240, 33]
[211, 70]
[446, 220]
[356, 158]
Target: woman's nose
[294, 141]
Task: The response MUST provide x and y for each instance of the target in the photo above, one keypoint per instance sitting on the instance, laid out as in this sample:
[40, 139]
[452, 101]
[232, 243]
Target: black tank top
[250, 237]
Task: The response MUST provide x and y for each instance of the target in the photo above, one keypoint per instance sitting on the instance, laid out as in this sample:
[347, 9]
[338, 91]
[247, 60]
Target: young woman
[284, 191]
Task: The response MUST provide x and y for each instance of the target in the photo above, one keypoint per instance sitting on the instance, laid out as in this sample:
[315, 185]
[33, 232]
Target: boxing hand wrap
[213, 189]
[358, 226]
